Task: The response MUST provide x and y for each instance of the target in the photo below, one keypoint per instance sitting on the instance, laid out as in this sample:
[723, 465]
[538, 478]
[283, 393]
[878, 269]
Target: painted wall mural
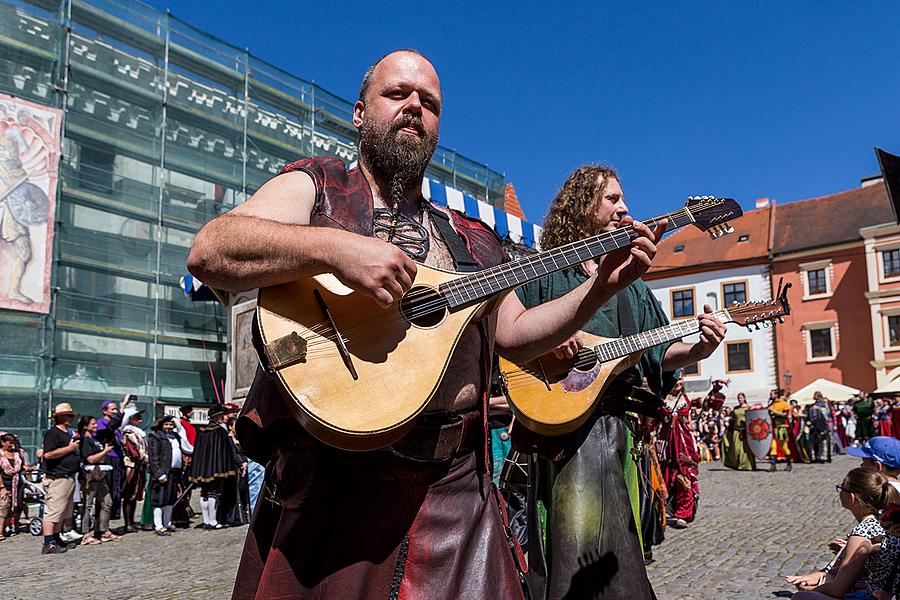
[29, 170]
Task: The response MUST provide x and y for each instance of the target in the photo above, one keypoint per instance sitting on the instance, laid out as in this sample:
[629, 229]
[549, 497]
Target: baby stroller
[34, 500]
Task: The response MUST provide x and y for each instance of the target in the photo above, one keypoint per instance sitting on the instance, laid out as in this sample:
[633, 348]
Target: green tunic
[584, 493]
[736, 452]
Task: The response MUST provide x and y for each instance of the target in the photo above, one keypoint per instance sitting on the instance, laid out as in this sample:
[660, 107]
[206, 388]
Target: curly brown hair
[567, 220]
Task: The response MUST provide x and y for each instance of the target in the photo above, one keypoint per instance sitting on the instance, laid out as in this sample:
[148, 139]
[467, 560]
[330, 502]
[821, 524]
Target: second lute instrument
[357, 375]
[553, 396]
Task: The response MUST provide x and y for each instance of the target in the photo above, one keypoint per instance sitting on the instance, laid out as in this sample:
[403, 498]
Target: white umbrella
[892, 386]
[829, 389]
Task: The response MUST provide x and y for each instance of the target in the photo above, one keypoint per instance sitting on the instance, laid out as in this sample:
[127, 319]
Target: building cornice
[882, 294]
[816, 251]
[879, 364]
[704, 268]
[873, 231]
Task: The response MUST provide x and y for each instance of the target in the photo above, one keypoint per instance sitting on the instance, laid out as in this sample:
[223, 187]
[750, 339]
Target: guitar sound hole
[423, 306]
[584, 361]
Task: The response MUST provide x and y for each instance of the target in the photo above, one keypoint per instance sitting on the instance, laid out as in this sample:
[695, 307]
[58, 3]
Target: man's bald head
[370, 72]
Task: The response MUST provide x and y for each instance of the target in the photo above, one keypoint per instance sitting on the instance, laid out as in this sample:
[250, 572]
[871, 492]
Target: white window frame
[831, 326]
[693, 290]
[885, 326]
[749, 343]
[879, 251]
[805, 268]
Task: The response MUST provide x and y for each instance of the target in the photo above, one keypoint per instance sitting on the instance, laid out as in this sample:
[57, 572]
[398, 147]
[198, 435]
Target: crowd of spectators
[865, 563]
[93, 470]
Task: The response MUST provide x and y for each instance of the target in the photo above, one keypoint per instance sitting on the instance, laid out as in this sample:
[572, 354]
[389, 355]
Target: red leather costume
[351, 525]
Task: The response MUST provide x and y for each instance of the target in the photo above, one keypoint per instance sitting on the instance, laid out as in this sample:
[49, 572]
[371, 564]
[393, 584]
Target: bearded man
[414, 520]
[588, 480]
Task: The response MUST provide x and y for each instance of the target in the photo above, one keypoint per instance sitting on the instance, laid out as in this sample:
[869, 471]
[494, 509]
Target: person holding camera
[96, 464]
[61, 461]
[166, 461]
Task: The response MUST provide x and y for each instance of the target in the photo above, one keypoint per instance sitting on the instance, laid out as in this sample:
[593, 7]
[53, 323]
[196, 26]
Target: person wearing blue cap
[880, 453]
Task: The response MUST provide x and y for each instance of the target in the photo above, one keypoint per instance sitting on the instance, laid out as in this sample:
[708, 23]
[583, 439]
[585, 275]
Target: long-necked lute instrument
[553, 396]
[356, 375]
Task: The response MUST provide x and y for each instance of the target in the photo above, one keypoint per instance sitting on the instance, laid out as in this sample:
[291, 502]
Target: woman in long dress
[736, 452]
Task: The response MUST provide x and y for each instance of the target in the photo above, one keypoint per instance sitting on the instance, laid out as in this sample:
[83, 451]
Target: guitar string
[736, 310]
[619, 236]
[441, 301]
[587, 357]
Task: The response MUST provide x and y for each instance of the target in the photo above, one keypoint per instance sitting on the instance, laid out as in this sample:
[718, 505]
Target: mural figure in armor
[29, 156]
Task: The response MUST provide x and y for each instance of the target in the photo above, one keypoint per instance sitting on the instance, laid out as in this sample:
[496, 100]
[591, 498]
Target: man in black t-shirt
[61, 462]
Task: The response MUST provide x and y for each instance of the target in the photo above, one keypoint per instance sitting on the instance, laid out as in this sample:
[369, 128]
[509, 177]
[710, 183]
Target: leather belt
[440, 436]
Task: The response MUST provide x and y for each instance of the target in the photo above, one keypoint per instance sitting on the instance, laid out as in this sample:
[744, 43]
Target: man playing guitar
[418, 519]
[587, 480]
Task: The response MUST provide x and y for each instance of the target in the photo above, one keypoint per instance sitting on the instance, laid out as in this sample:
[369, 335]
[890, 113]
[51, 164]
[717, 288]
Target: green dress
[585, 505]
[736, 452]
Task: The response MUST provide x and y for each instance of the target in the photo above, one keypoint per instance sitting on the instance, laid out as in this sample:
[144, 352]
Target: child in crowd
[884, 567]
[882, 454]
[862, 492]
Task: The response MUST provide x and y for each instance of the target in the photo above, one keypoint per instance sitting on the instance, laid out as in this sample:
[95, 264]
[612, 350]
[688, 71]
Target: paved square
[751, 531]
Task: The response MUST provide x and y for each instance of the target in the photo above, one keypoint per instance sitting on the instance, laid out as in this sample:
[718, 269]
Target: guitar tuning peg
[781, 319]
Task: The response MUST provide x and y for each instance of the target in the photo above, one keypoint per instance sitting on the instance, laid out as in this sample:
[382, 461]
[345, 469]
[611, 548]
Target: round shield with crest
[28, 204]
[759, 432]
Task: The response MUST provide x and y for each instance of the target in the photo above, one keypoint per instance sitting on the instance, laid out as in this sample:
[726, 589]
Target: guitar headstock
[712, 214]
[762, 312]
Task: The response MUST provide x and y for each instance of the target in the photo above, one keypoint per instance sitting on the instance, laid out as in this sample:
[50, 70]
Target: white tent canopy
[829, 389]
[891, 387]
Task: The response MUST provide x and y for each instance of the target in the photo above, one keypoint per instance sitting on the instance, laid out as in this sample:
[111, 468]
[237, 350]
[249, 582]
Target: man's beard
[397, 158]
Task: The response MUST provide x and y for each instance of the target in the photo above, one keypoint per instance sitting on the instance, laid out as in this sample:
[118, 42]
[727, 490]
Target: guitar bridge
[543, 374]
[286, 351]
[339, 339]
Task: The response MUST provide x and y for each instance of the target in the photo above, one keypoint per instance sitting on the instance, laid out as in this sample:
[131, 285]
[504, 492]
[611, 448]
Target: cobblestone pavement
[190, 564]
[751, 531]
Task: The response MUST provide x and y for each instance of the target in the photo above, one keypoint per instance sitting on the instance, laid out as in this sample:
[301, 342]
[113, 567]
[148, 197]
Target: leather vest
[344, 201]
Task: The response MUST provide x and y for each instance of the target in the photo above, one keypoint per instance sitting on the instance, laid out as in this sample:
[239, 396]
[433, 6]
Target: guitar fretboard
[646, 339]
[482, 285]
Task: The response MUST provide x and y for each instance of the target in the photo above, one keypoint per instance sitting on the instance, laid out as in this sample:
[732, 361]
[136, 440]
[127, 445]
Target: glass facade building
[164, 127]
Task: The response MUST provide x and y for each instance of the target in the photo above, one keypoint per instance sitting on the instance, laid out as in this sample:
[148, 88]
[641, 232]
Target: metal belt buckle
[453, 419]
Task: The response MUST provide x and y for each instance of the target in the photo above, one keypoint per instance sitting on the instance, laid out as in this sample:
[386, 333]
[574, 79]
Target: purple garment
[104, 423]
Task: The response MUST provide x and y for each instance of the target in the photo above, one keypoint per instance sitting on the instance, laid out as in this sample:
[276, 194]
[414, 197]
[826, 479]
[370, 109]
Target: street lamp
[787, 382]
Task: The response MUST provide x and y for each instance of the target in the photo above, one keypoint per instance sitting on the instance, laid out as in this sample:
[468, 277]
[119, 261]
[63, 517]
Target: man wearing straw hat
[61, 464]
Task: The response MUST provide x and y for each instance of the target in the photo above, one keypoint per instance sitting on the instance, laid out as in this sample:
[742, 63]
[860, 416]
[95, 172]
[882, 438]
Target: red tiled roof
[511, 202]
[829, 220]
[700, 252]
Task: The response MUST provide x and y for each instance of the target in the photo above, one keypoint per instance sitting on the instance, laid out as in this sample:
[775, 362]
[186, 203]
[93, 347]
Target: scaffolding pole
[159, 220]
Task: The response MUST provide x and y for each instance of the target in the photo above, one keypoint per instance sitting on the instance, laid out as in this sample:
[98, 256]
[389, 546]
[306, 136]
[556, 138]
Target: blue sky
[740, 99]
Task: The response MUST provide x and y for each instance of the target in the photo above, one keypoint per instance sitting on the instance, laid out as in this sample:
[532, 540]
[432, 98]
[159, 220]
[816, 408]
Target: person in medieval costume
[883, 418]
[736, 453]
[651, 485]
[236, 499]
[894, 413]
[22, 204]
[214, 466]
[182, 512]
[588, 481]
[780, 411]
[799, 439]
[439, 531]
[864, 408]
[135, 459]
[165, 462]
[679, 459]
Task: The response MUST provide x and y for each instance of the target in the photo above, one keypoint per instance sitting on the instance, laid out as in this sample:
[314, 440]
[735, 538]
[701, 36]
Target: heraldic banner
[29, 170]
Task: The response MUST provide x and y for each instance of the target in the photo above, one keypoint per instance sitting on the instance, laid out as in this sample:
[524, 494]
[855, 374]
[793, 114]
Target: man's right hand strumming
[375, 268]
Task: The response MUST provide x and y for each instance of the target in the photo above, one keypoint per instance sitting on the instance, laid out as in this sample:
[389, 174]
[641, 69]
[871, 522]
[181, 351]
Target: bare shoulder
[287, 198]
